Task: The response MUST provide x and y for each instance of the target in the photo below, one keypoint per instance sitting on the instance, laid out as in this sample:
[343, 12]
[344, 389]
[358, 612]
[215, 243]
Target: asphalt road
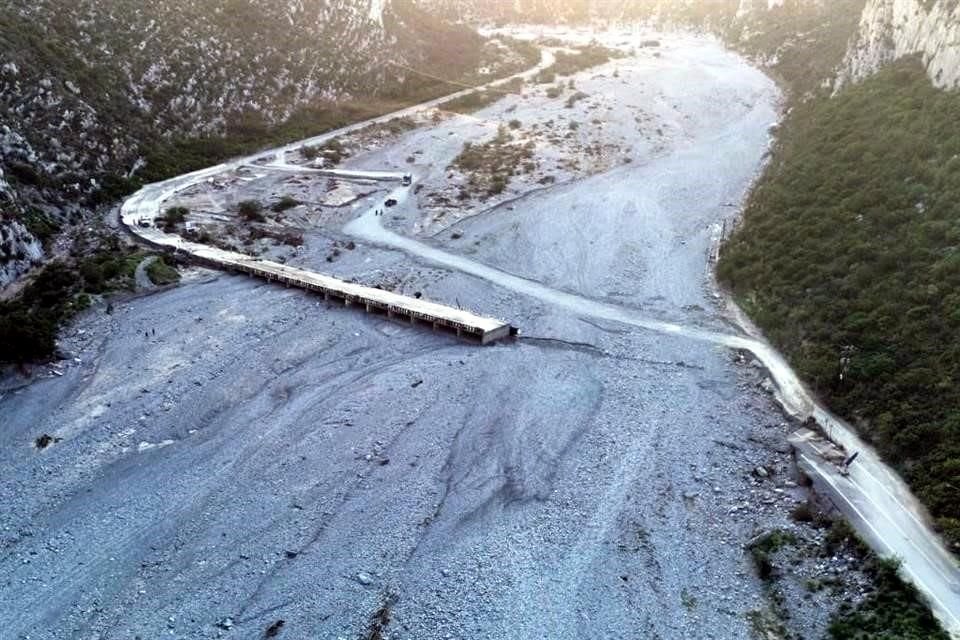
[882, 518]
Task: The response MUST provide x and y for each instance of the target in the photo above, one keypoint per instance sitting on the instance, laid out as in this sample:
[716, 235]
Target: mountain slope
[89, 88]
[849, 258]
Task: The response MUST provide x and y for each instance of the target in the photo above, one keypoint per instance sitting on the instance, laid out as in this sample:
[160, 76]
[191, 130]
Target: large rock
[891, 29]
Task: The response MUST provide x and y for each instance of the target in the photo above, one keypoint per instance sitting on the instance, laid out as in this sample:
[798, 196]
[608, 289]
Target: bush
[575, 98]
[803, 512]
[40, 225]
[490, 165]
[161, 273]
[894, 610]
[762, 563]
[173, 217]
[285, 203]
[471, 102]
[766, 546]
[334, 152]
[29, 323]
[251, 211]
[569, 63]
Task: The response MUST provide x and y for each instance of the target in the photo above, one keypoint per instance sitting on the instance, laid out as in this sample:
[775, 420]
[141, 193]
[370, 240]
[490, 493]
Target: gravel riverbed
[232, 454]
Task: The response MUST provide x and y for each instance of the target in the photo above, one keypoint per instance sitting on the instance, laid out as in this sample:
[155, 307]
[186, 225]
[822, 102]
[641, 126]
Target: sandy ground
[266, 457]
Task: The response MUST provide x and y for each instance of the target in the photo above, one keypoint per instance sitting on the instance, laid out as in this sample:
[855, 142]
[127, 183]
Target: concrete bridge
[140, 210]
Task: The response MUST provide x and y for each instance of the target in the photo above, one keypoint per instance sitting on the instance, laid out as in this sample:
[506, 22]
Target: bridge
[140, 211]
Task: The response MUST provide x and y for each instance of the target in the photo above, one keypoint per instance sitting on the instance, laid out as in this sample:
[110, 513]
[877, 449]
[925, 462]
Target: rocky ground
[234, 459]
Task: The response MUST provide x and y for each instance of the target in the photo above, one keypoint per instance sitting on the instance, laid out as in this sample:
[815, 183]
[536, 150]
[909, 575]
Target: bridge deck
[140, 208]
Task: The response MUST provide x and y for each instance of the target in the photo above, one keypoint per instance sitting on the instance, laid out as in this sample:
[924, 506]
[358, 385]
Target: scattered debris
[45, 441]
[364, 578]
[380, 620]
[274, 630]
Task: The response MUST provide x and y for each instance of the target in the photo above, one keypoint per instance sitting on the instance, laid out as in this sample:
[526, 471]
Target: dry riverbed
[229, 455]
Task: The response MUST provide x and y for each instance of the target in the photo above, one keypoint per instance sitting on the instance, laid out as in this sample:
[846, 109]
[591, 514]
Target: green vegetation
[762, 549]
[161, 273]
[575, 98]
[800, 61]
[890, 609]
[392, 127]
[894, 611]
[473, 101]
[42, 226]
[492, 164]
[247, 133]
[284, 203]
[766, 625]
[849, 258]
[172, 218]
[29, 323]
[251, 211]
[332, 151]
[109, 270]
[567, 64]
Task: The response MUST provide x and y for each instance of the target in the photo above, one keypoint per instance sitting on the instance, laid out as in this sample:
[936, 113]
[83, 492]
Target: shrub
[29, 323]
[491, 164]
[894, 610]
[762, 563]
[173, 217]
[251, 211]
[40, 225]
[334, 152]
[575, 98]
[472, 102]
[285, 203]
[161, 273]
[802, 512]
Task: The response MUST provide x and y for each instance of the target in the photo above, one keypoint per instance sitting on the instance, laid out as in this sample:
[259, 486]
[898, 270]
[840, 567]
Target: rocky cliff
[891, 29]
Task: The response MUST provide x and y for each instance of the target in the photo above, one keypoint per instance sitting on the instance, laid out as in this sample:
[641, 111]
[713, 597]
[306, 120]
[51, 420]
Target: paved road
[884, 520]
